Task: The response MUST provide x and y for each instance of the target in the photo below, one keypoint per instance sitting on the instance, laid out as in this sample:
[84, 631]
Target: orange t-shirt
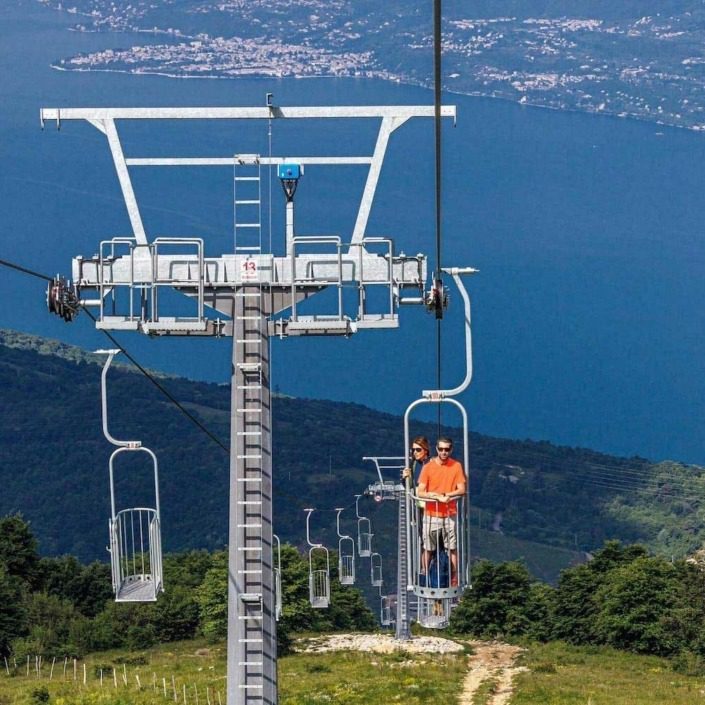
[442, 479]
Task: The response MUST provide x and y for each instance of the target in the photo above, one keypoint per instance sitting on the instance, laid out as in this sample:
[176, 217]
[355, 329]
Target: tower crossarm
[313, 270]
[129, 279]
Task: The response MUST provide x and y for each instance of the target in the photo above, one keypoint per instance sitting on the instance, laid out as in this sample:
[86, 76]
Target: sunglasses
[416, 450]
[443, 450]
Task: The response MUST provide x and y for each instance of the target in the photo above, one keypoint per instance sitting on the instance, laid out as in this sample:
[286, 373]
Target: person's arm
[459, 491]
[424, 494]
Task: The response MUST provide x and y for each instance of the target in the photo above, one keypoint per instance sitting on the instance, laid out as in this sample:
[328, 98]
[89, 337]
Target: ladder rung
[251, 596]
[249, 366]
[246, 294]
[248, 225]
[248, 202]
[249, 433]
[249, 411]
[253, 686]
[250, 548]
[249, 502]
[250, 616]
[250, 641]
[249, 457]
[249, 318]
[249, 479]
[249, 663]
[249, 386]
[248, 248]
[256, 341]
[249, 526]
[249, 572]
[247, 178]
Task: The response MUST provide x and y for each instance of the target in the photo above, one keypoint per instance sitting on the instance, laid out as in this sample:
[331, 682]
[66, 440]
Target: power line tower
[130, 278]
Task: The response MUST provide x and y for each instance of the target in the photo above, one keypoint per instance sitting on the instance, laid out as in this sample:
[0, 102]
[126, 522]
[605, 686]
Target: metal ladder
[247, 193]
[255, 632]
[256, 628]
[403, 632]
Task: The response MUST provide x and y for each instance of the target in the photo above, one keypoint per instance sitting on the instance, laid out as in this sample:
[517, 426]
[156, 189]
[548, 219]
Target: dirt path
[491, 661]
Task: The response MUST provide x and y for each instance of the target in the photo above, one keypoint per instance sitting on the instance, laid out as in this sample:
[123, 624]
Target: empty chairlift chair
[364, 532]
[385, 609]
[277, 579]
[318, 578]
[135, 543]
[346, 555]
[376, 570]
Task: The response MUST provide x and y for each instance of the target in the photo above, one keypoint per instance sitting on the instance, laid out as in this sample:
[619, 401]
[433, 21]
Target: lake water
[588, 311]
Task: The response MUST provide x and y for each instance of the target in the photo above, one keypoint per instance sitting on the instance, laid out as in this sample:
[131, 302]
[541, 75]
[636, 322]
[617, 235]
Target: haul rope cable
[160, 387]
[437, 130]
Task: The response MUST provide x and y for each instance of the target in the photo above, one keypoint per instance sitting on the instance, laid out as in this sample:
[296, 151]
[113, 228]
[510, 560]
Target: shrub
[39, 695]
[688, 663]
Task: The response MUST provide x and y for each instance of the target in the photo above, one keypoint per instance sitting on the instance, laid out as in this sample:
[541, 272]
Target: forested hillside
[531, 500]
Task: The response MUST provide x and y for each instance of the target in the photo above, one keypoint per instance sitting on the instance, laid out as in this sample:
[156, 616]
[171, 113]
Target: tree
[176, 615]
[18, 548]
[576, 604]
[636, 607]
[13, 615]
[49, 621]
[87, 587]
[497, 602]
[575, 607]
[212, 599]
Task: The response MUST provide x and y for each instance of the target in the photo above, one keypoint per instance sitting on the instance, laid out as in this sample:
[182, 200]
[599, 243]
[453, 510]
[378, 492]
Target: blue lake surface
[588, 324]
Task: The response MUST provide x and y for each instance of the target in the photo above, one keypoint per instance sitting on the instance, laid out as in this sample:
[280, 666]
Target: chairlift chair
[437, 593]
[346, 555]
[376, 569]
[434, 613]
[318, 579]
[135, 543]
[277, 579]
[364, 532]
[385, 610]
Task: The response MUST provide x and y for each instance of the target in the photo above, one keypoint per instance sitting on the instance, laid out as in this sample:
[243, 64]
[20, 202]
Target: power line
[151, 378]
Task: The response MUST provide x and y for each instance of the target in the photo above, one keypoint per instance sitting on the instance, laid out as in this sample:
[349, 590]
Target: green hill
[531, 500]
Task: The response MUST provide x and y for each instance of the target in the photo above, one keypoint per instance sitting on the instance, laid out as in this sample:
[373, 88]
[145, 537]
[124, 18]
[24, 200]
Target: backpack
[439, 571]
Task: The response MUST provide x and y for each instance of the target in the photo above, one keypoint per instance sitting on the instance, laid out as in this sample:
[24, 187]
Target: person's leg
[450, 539]
[430, 536]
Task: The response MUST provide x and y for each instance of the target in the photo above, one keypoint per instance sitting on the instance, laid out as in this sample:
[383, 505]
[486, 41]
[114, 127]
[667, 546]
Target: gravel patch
[378, 643]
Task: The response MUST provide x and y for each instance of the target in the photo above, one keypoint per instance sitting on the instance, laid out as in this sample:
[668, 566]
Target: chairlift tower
[249, 292]
[384, 490]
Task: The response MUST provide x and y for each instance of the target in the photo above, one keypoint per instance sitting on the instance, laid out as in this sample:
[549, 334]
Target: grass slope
[557, 675]
[569, 675]
[304, 679]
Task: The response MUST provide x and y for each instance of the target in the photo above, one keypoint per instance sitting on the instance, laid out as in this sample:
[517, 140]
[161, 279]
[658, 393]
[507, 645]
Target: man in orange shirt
[441, 482]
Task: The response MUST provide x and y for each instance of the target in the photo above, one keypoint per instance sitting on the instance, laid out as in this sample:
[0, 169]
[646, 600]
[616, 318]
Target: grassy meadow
[556, 674]
[197, 669]
[559, 674]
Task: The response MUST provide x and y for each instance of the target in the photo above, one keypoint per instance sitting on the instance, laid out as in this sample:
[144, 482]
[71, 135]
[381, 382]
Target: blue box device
[289, 171]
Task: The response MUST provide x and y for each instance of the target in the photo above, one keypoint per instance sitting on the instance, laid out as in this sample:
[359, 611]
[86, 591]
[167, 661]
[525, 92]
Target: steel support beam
[252, 633]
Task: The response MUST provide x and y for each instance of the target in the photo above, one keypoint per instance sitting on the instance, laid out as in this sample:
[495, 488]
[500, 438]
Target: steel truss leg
[252, 636]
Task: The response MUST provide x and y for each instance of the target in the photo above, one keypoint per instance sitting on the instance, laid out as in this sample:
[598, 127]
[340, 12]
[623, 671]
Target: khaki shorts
[431, 528]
